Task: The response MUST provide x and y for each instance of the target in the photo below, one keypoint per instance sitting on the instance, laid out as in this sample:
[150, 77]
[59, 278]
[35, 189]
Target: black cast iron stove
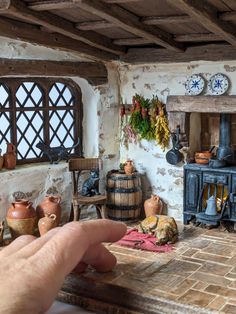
[201, 182]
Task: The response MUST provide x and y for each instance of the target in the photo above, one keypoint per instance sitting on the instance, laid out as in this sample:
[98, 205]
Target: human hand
[33, 270]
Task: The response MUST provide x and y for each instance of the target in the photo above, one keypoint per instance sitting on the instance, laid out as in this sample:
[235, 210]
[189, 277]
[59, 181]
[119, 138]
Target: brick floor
[200, 271]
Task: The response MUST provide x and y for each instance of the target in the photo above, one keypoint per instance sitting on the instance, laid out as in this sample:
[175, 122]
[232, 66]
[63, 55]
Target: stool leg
[104, 211]
[76, 211]
[98, 209]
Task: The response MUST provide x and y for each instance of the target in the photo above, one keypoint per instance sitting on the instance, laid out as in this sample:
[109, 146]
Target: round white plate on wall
[218, 84]
[195, 85]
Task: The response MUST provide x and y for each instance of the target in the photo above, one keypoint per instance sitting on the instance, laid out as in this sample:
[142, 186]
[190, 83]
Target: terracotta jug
[50, 205]
[47, 223]
[129, 167]
[1, 230]
[10, 157]
[1, 159]
[21, 218]
[153, 206]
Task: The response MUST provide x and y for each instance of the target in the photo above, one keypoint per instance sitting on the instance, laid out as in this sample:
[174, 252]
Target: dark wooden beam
[224, 104]
[32, 34]
[51, 68]
[93, 25]
[213, 52]
[131, 41]
[166, 19]
[59, 25]
[125, 20]
[206, 15]
[121, 1]
[198, 37]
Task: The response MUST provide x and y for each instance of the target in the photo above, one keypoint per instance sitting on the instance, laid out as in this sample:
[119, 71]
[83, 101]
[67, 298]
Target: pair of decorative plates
[217, 85]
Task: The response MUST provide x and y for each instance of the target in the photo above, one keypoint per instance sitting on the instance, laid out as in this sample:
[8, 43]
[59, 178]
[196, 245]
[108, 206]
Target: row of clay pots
[22, 217]
[8, 160]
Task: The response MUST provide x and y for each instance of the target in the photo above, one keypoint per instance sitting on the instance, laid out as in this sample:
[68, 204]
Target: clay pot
[129, 167]
[1, 160]
[47, 223]
[50, 205]
[153, 206]
[21, 218]
[203, 157]
[10, 157]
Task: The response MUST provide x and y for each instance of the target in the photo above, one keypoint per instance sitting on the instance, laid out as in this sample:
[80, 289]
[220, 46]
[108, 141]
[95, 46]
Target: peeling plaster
[161, 171]
[230, 68]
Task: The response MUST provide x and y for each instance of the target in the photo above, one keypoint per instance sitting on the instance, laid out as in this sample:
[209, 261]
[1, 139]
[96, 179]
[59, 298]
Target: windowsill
[35, 166]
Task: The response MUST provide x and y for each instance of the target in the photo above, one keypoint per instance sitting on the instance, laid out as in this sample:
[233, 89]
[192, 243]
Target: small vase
[129, 167]
[10, 157]
[47, 223]
[50, 205]
[1, 160]
[21, 218]
[153, 206]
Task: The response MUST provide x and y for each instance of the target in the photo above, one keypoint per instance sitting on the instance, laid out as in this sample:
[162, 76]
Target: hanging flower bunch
[147, 121]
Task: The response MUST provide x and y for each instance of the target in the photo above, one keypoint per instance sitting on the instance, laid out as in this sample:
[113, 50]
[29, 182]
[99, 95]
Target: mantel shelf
[214, 104]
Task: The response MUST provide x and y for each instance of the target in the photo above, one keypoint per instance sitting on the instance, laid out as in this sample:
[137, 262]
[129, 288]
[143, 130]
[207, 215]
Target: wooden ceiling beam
[198, 37]
[206, 15]
[166, 19]
[59, 25]
[51, 68]
[213, 52]
[93, 25]
[131, 41]
[32, 34]
[120, 17]
[129, 22]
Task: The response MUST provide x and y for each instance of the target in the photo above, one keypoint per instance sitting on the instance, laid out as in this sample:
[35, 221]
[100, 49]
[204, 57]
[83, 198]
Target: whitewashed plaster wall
[162, 80]
[100, 125]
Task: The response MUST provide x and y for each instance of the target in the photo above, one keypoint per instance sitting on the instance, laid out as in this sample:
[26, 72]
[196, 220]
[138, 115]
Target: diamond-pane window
[60, 95]
[44, 110]
[4, 96]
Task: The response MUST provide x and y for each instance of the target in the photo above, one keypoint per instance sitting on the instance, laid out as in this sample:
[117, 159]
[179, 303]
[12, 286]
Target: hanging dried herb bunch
[148, 120]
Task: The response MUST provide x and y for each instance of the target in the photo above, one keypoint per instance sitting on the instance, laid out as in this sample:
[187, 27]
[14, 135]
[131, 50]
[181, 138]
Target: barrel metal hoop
[123, 190]
[126, 178]
[124, 207]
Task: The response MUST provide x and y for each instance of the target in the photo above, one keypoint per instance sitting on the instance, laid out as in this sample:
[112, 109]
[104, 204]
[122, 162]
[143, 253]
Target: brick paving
[200, 271]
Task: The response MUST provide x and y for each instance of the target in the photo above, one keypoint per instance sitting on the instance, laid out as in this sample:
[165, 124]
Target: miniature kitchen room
[117, 156]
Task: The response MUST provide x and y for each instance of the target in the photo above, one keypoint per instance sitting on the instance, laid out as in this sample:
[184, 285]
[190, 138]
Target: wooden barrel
[124, 196]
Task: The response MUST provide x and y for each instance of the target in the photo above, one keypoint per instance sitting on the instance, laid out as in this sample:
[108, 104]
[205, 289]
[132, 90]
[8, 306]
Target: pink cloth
[136, 240]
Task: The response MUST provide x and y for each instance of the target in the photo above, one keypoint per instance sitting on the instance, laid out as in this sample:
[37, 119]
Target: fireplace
[203, 183]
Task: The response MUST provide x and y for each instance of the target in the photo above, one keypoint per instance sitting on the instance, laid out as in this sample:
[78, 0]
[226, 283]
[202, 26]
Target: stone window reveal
[36, 109]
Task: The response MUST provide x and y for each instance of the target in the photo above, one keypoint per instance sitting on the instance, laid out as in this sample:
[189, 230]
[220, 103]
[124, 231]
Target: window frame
[46, 84]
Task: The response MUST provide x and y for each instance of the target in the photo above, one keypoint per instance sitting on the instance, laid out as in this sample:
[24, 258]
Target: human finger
[17, 244]
[68, 246]
[100, 258]
[36, 245]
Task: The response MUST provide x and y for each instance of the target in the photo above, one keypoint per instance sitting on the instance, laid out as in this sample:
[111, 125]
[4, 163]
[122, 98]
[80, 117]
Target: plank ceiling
[128, 30]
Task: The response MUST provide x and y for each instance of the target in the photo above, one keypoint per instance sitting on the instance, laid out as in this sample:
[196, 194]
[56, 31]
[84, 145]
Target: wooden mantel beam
[217, 104]
[62, 26]
[29, 33]
[123, 19]
[205, 14]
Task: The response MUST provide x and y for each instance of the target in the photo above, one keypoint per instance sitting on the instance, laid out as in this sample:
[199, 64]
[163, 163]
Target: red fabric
[136, 240]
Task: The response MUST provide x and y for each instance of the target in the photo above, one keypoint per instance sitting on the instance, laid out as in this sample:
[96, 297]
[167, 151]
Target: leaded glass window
[33, 110]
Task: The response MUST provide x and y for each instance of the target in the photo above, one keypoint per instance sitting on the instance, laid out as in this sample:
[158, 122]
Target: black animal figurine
[90, 185]
[56, 154]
